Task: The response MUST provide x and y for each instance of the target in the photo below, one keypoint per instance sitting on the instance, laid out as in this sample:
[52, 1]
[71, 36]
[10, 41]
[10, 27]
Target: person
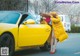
[46, 19]
[58, 31]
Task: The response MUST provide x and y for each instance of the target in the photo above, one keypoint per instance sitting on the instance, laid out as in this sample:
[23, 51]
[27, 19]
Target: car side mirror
[29, 21]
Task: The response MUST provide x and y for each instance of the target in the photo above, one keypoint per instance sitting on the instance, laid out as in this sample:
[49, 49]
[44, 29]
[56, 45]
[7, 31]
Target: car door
[33, 34]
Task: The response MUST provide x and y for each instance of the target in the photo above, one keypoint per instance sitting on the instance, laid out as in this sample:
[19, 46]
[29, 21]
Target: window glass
[9, 17]
[30, 17]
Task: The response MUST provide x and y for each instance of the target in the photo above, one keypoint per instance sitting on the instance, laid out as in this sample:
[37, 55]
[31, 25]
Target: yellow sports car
[19, 31]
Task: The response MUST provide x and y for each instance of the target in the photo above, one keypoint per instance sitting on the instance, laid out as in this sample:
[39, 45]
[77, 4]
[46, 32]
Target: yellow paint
[27, 35]
[58, 28]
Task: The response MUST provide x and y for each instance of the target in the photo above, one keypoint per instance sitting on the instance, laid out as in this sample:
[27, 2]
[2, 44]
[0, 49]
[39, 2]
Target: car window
[36, 18]
[11, 18]
[29, 17]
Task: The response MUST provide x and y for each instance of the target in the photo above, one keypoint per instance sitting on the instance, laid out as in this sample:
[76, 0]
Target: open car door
[31, 33]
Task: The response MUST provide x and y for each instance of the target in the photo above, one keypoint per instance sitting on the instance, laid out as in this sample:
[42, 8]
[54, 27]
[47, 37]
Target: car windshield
[9, 17]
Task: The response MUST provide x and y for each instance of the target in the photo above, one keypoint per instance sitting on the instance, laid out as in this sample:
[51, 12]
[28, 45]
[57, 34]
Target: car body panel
[27, 35]
[33, 34]
[11, 28]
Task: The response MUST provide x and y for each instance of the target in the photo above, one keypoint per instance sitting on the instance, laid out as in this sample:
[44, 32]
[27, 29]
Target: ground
[70, 47]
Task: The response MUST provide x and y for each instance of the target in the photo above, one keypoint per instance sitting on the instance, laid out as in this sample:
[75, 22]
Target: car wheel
[6, 40]
[46, 47]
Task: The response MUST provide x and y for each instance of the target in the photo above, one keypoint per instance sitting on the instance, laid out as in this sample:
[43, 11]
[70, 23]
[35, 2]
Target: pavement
[70, 47]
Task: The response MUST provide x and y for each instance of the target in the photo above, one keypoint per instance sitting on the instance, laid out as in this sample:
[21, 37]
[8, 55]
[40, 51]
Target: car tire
[46, 47]
[6, 40]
